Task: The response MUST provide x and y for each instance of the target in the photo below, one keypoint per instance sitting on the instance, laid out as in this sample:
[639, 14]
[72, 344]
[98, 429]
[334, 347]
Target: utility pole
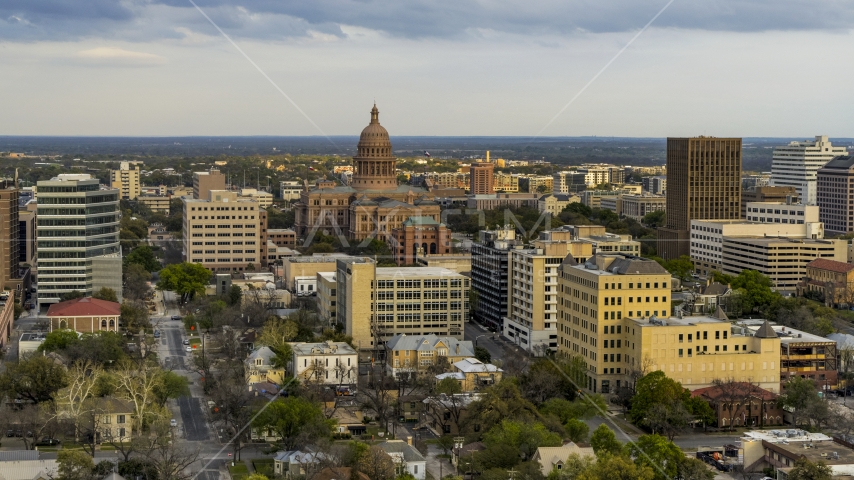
[511, 473]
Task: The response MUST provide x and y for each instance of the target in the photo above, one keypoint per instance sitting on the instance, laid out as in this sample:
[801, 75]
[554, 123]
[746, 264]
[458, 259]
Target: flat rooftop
[32, 337]
[684, 321]
[415, 272]
[789, 435]
[790, 335]
[325, 258]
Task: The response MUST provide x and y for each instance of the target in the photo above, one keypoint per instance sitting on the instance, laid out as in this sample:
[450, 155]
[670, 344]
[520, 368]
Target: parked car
[173, 423]
[188, 348]
[157, 334]
[46, 442]
[176, 317]
[186, 342]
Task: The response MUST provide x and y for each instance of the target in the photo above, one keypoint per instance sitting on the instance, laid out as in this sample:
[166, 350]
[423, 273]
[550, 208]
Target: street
[499, 349]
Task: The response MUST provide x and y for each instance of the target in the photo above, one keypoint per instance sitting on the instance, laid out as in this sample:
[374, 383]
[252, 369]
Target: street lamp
[477, 337]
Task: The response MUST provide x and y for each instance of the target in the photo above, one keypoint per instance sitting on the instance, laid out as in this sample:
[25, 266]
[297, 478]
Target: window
[120, 419]
[680, 352]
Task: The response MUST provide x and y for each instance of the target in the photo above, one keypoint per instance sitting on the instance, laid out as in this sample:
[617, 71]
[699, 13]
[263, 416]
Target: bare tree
[379, 394]
[377, 464]
[137, 383]
[170, 461]
[734, 394]
[233, 411]
[72, 401]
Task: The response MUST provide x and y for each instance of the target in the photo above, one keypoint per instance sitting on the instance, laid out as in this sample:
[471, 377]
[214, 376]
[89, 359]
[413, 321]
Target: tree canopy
[185, 279]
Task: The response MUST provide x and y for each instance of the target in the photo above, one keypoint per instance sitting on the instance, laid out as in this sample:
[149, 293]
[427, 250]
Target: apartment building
[602, 174]
[263, 198]
[417, 353]
[599, 240]
[329, 363]
[536, 183]
[490, 257]
[768, 194]
[614, 315]
[613, 203]
[506, 182]
[655, 185]
[638, 206]
[707, 237]
[569, 182]
[204, 182]
[376, 303]
[156, 203]
[704, 183]
[126, 180]
[834, 187]
[783, 260]
[76, 222]
[481, 182]
[327, 297]
[781, 212]
[224, 233]
[832, 280]
[290, 190]
[282, 237]
[796, 164]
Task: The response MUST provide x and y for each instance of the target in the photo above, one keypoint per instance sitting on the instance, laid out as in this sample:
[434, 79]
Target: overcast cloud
[436, 67]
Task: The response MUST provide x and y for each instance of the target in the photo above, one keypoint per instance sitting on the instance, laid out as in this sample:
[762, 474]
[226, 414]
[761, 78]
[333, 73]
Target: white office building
[780, 212]
[796, 164]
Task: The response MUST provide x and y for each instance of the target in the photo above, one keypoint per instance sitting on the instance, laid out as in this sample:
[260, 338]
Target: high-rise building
[834, 185]
[569, 182]
[655, 185]
[126, 181]
[796, 164]
[481, 178]
[224, 232]
[767, 194]
[489, 265]
[376, 303]
[77, 223]
[10, 277]
[704, 181]
[204, 182]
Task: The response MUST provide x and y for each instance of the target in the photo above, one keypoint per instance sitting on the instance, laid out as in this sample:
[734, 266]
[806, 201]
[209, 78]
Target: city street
[497, 347]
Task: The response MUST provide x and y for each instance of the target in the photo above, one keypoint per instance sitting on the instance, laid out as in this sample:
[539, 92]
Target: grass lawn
[239, 471]
[195, 341]
[263, 466]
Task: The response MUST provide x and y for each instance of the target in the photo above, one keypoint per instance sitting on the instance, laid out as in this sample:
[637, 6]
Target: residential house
[742, 404]
[115, 419]
[707, 299]
[417, 353]
[554, 458]
[295, 463]
[444, 414]
[410, 408]
[260, 367]
[85, 315]
[833, 281]
[477, 374]
[331, 363]
[407, 458]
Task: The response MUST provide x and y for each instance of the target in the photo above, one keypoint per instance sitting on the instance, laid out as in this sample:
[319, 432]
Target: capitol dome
[374, 141]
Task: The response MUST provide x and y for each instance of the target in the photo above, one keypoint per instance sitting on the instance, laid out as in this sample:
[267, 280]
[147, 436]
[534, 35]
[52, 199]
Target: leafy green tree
[171, 385]
[136, 279]
[35, 378]
[619, 467]
[754, 290]
[497, 403]
[701, 410]
[807, 470]
[604, 441]
[59, 340]
[143, 256]
[102, 347]
[693, 469]
[74, 294]
[798, 396]
[296, 420]
[482, 354]
[573, 468]
[658, 453]
[185, 279]
[106, 293]
[681, 267]
[448, 386]
[235, 293]
[565, 410]
[134, 316]
[655, 388]
[524, 436]
[654, 219]
[74, 465]
[577, 430]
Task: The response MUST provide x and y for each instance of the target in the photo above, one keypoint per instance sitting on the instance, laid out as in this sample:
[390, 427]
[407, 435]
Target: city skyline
[456, 69]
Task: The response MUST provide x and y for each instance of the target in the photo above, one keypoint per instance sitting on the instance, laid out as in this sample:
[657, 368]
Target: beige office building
[126, 181]
[506, 182]
[156, 203]
[327, 297]
[204, 182]
[614, 314]
[703, 182]
[376, 303]
[224, 233]
[638, 206]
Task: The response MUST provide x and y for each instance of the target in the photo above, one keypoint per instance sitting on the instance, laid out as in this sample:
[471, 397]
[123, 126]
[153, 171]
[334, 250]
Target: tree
[754, 290]
[295, 421]
[576, 430]
[572, 469]
[701, 410]
[136, 279]
[545, 380]
[604, 441]
[185, 279]
[798, 395]
[166, 458]
[681, 267]
[277, 332]
[36, 378]
[106, 293]
[134, 316]
[655, 388]
[654, 219]
[526, 437]
[74, 465]
[496, 403]
[73, 400]
[618, 468]
[668, 419]
[235, 293]
[59, 340]
[71, 295]
[143, 256]
[658, 453]
[807, 470]
[233, 410]
[693, 469]
[482, 354]
[376, 464]
[586, 407]
[171, 385]
[138, 384]
[448, 386]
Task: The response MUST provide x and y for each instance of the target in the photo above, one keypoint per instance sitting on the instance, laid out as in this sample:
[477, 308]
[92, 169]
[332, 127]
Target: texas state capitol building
[373, 204]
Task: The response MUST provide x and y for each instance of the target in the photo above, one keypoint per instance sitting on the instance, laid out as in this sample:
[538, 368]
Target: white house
[297, 462]
[332, 363]
[406, 457]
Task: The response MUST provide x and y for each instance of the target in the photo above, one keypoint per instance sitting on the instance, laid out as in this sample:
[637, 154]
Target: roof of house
[716, 289]
[299, 456]
[410, 453]
[9, 455]
[473, 365]
[84, 307]
[28, 470]
[265, 353]
[429, 342]
[322, 348]
[831, 265]
[454, 375]
[548, 457]
[114, 405]
[738, 389]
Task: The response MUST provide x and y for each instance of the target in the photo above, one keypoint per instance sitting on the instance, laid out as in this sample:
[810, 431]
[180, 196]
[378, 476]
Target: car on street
[176, 317]
[173, 423]
[46, 442]
[157, 334]
[186, 342]
[188, 348]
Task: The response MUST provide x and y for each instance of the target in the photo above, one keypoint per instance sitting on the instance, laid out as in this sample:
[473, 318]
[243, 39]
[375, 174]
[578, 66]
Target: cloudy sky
[435, 67]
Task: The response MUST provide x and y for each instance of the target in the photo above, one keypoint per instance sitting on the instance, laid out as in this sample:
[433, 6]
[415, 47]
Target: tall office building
[126, 181]
[204, 182]
[704, 181]
[78, 231]
[9, 226]
[489, 266]
[224, 232]
[834, 187]
[481, 178]
[569, 182]
[796, 164]
[767, 194]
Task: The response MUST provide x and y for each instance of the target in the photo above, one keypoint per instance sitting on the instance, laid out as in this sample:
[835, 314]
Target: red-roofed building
[832, 280]
[85, 315]
[741, 404]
